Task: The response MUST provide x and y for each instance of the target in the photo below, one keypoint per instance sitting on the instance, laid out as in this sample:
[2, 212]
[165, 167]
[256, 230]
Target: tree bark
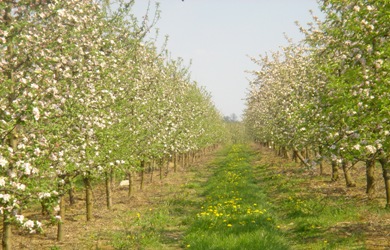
[7, 233]
[295, 157]
[72, 199]
[321, 161]
[88, 197]
[335, 171]
[348, 178]
[108, 190]
[160, 168]
[142, 173]
[174, 162]
[112, 177]
[60, 223]
[167, 165]
[151, 167]
[130, 189]
[307, 153]
[385, 163]
[300, 157]
[370, 175]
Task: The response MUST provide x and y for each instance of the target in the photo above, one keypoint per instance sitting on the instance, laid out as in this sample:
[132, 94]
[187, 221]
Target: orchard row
[330, 93]
[83, 93]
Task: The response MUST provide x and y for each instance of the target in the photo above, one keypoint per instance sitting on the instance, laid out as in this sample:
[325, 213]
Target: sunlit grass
[234, 214]
[309, 219]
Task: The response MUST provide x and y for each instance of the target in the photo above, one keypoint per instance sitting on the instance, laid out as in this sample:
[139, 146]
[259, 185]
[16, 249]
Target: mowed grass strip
[234, 214]
[310, 219]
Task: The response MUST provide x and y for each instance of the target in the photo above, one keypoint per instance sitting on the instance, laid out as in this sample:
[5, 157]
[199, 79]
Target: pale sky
[220, 35]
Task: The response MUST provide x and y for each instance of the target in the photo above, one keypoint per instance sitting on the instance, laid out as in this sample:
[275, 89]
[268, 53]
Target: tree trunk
[151, 167]
[370, 175]
[295, 157]
[160, 168]
[141, 185]
[348, 178]
[385, 163]
[108, 191]
[335, 171]
[300, 157]
[175, 162]
[60, 223]
[130, 190]
[7, 233]
[88, 197]
[307, 153]
[321, 161]
[72, 199]
[168, 160]
[112, 177]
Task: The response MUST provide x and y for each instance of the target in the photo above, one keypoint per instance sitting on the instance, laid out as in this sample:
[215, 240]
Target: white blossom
[36, 113]
[357, 147]
[2, 181]
[5, 197]
[3, 161]
[19, 218]
[370, 149]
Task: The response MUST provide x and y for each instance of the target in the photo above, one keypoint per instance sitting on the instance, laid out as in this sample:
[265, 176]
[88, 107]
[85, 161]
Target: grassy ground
[239, 198]
[315, 213]
[234, 214]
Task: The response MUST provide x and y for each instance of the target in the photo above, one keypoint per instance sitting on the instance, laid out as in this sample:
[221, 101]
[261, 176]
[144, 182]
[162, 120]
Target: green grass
[234, 203]
[234, 214]
[310, 220]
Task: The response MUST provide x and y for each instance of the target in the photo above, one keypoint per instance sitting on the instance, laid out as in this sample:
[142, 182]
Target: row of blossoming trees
[330, 93]
[83, 94]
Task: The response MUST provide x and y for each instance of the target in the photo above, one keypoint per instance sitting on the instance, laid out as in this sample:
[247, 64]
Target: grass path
[250, 200]
[234, 213]
[219, 206]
